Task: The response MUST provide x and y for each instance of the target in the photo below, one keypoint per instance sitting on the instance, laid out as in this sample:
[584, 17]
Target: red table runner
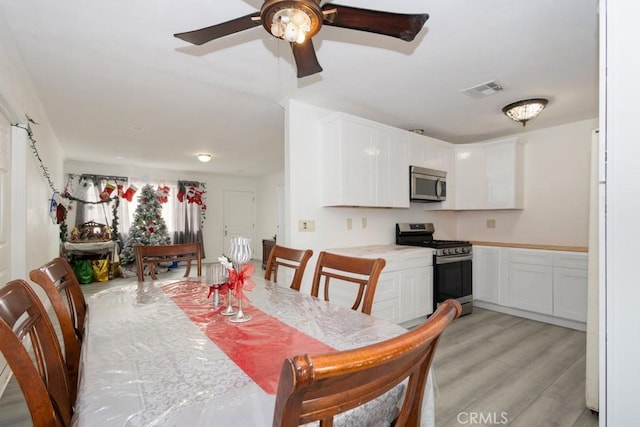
[258, 346]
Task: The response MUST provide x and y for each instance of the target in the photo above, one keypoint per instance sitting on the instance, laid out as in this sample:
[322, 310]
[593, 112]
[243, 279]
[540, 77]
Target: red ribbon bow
[242, 280]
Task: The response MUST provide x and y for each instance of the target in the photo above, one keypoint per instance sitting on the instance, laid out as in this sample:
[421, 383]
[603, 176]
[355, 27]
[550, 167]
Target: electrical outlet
[349, 223]
[491, 223]
[306, 225]
[364, 222]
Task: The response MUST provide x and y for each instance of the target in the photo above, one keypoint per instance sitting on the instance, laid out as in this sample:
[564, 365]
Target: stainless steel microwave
[427, 185]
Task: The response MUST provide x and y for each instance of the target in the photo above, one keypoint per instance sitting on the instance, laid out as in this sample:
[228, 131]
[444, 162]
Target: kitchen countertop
[378, 250]
[534, 246]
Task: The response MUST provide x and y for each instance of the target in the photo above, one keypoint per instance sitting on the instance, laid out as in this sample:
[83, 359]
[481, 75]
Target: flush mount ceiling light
[523, 111]
[204, 157]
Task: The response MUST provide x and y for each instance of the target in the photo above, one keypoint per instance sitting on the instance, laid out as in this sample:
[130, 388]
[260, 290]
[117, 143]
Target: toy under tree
[148, 227]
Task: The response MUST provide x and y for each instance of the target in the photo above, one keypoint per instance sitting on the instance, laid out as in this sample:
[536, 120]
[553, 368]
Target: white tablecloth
[144, 362]
[76, 248]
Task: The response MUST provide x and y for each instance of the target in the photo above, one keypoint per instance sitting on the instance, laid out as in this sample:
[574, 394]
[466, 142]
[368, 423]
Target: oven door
[452, 279]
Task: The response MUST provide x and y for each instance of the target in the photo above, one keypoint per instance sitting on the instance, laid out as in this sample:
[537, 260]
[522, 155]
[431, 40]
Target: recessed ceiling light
[204, 157]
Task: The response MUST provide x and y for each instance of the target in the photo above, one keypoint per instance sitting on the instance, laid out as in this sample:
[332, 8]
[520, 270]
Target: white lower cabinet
[531, 287]
[405, 287]
[530, 281]
[386, 303]
[486, 274]
[416, 299]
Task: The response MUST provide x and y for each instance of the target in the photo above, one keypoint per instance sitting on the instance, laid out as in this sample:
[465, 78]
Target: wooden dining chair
[70, 307]
[319, 387]
[150, 255]
[30, 346]
[363, 272]
[295, 259]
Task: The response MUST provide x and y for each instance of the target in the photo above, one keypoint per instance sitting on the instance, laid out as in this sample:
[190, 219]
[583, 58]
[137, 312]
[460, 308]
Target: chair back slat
[40, 372]
[150, 255]
[319, 387]
[363, 272]
[61, 285]
[295, 259]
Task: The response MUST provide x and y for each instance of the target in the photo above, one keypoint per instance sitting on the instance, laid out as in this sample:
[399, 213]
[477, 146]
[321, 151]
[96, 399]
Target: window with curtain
[188, 212]
[93, 197]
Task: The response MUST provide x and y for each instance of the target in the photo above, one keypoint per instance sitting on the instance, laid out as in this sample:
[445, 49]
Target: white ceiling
[114, 81]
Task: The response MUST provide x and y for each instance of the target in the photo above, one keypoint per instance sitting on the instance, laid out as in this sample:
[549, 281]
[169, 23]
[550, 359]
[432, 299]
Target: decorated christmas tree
[148, 227]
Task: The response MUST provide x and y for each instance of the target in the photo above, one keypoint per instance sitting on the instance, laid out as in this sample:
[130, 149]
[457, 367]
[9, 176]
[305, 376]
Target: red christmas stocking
[181, 194]
[120, 190]
[130, 192]
[163, 193]
[106, 193]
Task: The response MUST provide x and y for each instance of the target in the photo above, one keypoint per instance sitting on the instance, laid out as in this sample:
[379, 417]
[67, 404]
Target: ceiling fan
[297, 21]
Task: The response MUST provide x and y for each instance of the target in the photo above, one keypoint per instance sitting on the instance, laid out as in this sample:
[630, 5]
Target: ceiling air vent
[483, 89]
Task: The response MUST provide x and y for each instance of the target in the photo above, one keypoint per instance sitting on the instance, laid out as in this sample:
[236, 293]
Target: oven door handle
[453, 258]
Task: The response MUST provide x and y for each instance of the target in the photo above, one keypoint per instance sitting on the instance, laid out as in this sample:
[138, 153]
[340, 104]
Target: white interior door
[239, 218]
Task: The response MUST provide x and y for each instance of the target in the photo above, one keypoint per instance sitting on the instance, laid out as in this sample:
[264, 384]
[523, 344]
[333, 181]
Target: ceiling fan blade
[306, 60]
[399, 25]
[207, 34]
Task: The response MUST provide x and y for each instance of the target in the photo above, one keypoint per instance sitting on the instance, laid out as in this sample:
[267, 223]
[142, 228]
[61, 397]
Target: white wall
[216, 185]
[620, 66]
[30, 216]
[556, 187]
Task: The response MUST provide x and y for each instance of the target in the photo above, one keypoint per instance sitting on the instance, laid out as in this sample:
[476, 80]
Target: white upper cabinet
[489, 175]
[367, 164]
[364, 163]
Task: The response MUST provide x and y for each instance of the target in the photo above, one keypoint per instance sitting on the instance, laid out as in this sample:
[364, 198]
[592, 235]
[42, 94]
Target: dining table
[159, 353]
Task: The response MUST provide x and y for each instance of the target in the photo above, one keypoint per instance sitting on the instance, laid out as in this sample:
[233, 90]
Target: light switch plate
[306, 225]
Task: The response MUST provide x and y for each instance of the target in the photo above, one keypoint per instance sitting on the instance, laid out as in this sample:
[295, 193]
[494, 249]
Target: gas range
[421, 234]
[452, 272]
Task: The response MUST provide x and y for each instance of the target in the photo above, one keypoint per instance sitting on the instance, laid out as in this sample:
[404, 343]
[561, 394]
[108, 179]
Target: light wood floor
[506, 370]
[490, 369]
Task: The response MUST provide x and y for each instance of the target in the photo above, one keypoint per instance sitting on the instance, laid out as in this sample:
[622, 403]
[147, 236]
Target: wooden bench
[154, 254]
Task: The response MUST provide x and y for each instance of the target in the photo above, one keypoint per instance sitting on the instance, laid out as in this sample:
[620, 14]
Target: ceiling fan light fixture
[292, 20]
[291, 24]
[525, 110]
[204, 157]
